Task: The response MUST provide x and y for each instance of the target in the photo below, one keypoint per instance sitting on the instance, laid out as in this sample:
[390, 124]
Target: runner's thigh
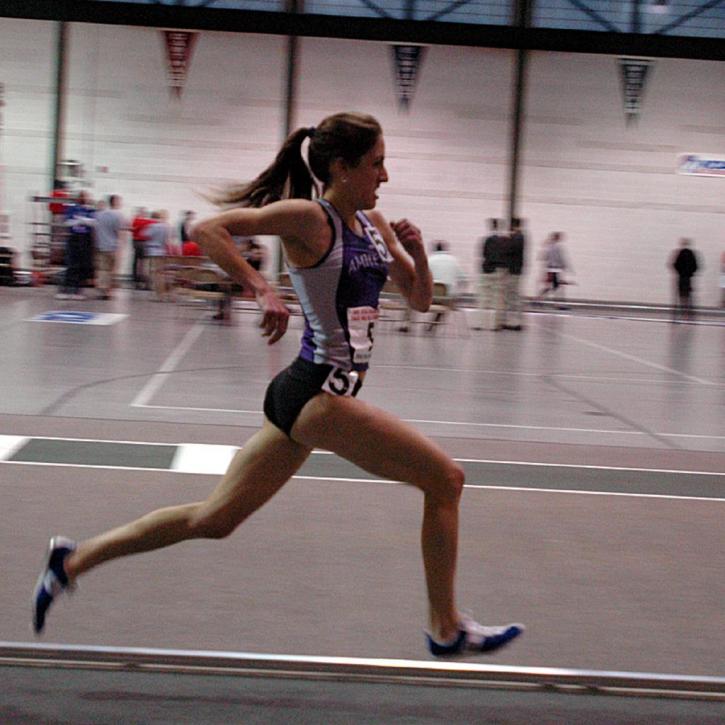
[376, 441]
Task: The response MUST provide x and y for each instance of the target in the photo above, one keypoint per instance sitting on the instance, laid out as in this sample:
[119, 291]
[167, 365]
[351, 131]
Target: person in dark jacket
[684, 263]
[491, 280]
[80, 219]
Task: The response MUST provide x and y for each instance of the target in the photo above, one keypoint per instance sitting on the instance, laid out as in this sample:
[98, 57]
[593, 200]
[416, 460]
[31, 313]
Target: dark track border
[380, 29]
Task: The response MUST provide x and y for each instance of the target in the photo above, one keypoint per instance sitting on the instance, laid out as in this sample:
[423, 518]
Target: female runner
[339, 257]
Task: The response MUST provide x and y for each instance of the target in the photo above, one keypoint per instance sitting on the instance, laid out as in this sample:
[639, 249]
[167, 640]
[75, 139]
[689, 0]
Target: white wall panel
[447, 154]
[155, 149]
[27, 67]
[613, 188]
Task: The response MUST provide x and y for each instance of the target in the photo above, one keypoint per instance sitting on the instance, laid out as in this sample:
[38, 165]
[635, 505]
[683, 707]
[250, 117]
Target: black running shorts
[291, 389]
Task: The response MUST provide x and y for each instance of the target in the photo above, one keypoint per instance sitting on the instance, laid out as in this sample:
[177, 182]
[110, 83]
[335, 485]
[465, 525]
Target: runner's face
[365, 178]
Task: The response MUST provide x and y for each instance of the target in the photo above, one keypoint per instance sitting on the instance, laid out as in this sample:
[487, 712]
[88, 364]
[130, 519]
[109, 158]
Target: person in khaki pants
[110, 224]
[514, 258]
[158, 244]
[491, 290]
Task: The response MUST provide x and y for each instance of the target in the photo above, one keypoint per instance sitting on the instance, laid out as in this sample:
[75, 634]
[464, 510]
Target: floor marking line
[625, 494]
[101, 440]
[482, 486]
[90, 465]
[202, 457]
[591, 466]
[10, 444]
[525, 427]
[224, 450]
[335, 479]
[456, 423]
[634, 358]
[202, 410]
[416, 420]
[168, 366]
[567, 376]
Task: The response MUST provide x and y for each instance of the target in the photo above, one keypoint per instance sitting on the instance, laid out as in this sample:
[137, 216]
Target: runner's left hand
[409, 237]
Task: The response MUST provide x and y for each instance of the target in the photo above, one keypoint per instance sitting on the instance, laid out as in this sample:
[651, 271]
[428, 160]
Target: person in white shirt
[445, 270]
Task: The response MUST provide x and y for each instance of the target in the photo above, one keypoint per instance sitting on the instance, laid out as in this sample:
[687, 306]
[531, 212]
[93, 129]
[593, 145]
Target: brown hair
[348, 136]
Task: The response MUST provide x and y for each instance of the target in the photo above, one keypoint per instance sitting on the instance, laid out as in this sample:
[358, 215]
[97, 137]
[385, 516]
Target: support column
[522, 20]
[290, 99]
[57, 151]
[293, 7]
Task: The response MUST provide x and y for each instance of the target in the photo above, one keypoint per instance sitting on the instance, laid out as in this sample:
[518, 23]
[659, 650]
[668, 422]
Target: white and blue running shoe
[52, 580]
[473, 638]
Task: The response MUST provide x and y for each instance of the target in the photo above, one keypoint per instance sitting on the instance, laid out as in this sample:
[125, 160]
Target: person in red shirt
[191, 249]
[58, 232]
[138, 226]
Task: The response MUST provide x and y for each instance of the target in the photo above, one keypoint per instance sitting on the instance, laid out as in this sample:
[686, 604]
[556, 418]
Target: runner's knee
[215, 525]
[450, 484]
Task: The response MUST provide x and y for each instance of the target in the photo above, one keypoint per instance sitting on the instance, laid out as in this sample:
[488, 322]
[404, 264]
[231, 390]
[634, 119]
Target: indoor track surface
[594, 511]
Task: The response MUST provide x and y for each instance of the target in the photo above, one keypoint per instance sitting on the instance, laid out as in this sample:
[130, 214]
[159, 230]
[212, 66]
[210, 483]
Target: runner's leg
[266, 462]
[387, 447]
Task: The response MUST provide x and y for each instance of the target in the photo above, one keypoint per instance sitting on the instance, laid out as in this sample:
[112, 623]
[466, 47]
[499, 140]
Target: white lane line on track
[185, 459]
[341, 479]
[168, 366]
[604, 431]
[203, 458]
[524, 489]
[634, 358]
[9, 444]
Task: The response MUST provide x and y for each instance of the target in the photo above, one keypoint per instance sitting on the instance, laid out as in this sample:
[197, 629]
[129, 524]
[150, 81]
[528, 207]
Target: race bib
[341, 382]
[361, 326]
[376, 239]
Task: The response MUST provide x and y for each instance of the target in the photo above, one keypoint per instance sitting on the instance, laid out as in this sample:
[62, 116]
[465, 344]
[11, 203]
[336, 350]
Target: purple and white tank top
[339, 295]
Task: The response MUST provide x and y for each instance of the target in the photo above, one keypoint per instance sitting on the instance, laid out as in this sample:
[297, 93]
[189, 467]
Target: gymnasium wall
[27, 71]
[611, 187]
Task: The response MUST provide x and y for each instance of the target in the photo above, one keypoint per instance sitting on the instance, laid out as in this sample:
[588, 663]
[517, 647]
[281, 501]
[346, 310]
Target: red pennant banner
[179, 46]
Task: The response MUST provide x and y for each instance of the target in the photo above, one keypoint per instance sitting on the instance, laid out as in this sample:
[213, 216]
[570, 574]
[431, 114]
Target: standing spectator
[185, 224]
[8, 267]
[491, 281]
[255, 254]
[79, 220]
[158, 238]
[110, 223]
[140, 221]
[514, 246]
[58, 231]
[684, 263]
